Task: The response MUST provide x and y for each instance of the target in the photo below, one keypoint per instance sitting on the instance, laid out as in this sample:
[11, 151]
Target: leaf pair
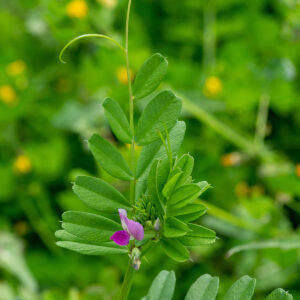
[159, 115]
[147, 80]
[206, 288]
[179, 235]
[88, 233]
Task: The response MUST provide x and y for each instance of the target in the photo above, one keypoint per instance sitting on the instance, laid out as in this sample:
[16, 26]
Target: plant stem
[130, 271]
[131, 107]
[127, 281]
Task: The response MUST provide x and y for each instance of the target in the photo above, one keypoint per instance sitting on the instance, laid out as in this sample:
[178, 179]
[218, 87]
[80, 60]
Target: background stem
[225, 131]
[209, 36]
[262, 119]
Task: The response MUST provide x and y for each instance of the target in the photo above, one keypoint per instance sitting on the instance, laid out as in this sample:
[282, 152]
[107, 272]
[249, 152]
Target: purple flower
[131, 230]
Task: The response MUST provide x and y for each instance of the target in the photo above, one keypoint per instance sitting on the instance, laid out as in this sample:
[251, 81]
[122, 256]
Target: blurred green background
[234, 63]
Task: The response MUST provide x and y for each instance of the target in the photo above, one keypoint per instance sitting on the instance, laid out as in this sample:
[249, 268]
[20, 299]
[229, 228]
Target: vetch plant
[163, 196]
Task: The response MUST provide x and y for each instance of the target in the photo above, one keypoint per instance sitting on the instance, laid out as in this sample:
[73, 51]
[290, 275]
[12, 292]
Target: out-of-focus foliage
[206, 288]
[229, 58]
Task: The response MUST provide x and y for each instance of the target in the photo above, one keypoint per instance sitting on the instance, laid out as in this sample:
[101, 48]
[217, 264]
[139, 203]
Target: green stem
[127, 282]
[228, 217]
[130, 271]
[131, 107]
[168, 149]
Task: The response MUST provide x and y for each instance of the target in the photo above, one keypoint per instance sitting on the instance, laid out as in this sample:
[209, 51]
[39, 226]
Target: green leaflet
[89, 227]
[184, 195]
[74, 243]
[242, 289]
[175, 228]
[156, 151]
[150, 76]
[280, 294]
[117, 120]
[91, 249]
[158, 175]
[198, 235]
[98, 194]
[174, 249]
[204, 288]
[66, 236]
[186, 164]
[159, 115]
[188, 213]
[204, 185]
[172, 183]
[109, 158]
[162, 287]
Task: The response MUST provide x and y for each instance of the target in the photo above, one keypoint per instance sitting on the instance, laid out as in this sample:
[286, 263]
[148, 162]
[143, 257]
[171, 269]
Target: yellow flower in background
[22, 164]
[77, 9]
[108, 3]
[122, 75]
[257, 190]
[231, 159]
[242, 189]
[8, 94]
[21, 228]
[212, 86]
[16, 68]
[63, 85]
[298, 170]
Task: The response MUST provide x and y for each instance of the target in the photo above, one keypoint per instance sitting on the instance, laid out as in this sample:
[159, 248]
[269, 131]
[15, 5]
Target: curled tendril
[87, 36]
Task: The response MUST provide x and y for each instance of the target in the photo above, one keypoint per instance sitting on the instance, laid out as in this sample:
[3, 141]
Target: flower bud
[136, 261]
[136, 264]
[148, 224]
[157, 225]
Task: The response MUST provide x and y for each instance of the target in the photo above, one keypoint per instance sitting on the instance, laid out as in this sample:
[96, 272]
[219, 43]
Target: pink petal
[123, 217]
[121, 238]
[135, 229]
